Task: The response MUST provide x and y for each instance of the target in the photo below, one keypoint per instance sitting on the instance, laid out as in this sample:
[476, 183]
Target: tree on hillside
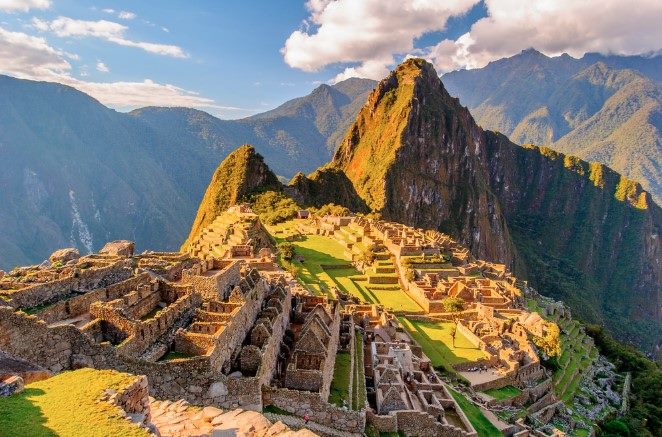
[286, 250]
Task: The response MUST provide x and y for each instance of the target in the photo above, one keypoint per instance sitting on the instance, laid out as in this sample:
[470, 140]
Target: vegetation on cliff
[644, 417]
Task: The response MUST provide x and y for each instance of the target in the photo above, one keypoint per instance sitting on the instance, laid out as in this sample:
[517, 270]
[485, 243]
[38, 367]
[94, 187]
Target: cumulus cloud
[106, 30]
[23, 5]
[102, 67]
[30, 57]
[367, 33]
[24, 55]
[571, 26]
[554, 27]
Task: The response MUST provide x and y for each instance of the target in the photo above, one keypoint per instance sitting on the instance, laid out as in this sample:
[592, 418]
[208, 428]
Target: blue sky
[236, 58]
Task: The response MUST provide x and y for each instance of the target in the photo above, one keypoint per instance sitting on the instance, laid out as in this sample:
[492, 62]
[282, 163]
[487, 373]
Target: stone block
[64, 255]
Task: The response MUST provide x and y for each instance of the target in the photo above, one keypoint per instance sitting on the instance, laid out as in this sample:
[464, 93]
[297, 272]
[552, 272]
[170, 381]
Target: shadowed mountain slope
[75, 173]
[601, 108]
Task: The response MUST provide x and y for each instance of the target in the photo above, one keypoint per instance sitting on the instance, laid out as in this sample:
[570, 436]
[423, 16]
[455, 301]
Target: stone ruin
[405, 393]
[224, 325]
[185, 323]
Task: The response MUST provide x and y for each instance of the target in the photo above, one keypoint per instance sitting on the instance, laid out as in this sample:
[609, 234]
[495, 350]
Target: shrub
[332, 209]
[453, 304]
[273, 207]
[410, 274]
[286, 250]
[550, 343]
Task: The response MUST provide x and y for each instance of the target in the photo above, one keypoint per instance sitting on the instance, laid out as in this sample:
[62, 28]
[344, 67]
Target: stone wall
[79, 305]
[528, 395]
[473, 339]
[28, 338]
[417, 423]
[213, 279]
[383, 423]
[541, 403]
[87, 279]
[302, 403]
[233, 335]
[272, 347]
[133, 400]
[331, 350]
[422, 424]
[65, 347]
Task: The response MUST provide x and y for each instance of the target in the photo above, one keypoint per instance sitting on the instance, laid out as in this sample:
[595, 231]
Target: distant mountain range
[76, 173]
[600, 108]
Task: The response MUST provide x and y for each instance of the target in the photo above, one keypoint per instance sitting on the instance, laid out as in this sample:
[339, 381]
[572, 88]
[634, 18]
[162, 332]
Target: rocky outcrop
[323, 186]
[584, 234]
[178, 419]
[123, 248]
[240, 174]
[64, 255]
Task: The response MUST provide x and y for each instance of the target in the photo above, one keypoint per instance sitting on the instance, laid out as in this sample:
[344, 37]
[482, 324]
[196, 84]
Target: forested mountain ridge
[600, 108]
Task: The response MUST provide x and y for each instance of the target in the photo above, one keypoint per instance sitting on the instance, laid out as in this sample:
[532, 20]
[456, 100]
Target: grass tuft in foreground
[64, 406]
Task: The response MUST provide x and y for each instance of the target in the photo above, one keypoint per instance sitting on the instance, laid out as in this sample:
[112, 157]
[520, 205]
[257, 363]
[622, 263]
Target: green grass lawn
[319, 252]
[483, 426]
[437, 342]
[64, 406]
[502, 393]
[342, 373]
[580, 432]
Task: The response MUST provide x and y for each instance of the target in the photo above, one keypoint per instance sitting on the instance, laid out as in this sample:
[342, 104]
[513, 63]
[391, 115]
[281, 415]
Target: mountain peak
[240, 174]
[532, 52]
[407, 148]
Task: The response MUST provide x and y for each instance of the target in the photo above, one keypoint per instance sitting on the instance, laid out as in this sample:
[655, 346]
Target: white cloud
[366, 32]
[126, 15]
[554, 27]
[369, 34]
[108, 11]
[24, 55]
[106, 30]
[23, 5]
[30, 57]
[102, 67]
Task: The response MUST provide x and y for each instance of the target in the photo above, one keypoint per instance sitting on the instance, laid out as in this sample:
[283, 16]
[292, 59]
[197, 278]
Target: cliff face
[415, 155]
[240, 174]
[583, 234]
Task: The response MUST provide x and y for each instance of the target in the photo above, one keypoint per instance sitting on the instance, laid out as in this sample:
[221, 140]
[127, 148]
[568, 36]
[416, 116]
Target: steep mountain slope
[299, 135]
[414, 155]
[578, 231]
[75, 173]
[238, 175]
[603, 108]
